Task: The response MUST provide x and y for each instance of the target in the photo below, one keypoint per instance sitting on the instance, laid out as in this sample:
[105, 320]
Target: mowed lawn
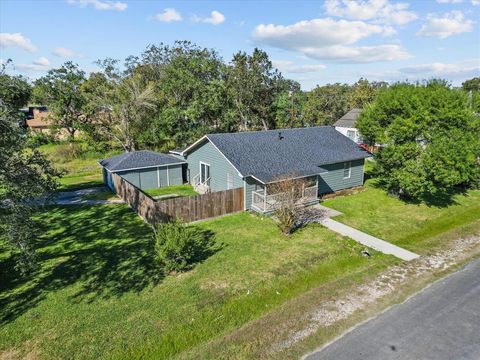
[99, 294]
[413, 226]
[172, 191]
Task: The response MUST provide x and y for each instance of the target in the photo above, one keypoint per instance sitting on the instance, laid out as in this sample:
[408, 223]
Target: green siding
[334, 181]
[219, 166]
[149, 178]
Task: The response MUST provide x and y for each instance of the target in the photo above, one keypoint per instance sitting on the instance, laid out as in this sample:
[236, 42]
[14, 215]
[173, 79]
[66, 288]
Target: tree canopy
[24, 172]
[430, 139]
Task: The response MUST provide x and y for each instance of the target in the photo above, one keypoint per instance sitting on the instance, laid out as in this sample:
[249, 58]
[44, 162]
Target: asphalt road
[442, 322]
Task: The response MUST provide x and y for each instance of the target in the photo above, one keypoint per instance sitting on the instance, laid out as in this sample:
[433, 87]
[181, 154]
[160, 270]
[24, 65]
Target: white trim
[244, 194]
[298, 177]
[349, 170]
[168, 177]
[158, 176]
[215, 146]
[144, 167]
[200, 170]
[363, 172]
[195, 143]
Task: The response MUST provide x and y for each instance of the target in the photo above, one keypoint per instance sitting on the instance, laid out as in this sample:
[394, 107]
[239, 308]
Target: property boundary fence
[187, 208]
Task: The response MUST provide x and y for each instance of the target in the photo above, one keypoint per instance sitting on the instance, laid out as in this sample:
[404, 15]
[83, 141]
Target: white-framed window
[229, 181]
[351, 134]
[347, 169]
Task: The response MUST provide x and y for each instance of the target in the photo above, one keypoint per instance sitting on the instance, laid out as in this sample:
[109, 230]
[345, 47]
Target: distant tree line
[171, 95]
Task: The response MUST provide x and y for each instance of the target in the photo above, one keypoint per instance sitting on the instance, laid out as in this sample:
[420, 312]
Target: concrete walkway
[76, 197]
[361, 237]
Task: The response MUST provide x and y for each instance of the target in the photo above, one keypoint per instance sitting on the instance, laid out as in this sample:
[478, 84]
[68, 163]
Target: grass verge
[172, 191]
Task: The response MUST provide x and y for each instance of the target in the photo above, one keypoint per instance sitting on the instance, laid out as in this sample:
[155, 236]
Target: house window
[351, 134]
[347, 169]
[259, 187]
[229, 181]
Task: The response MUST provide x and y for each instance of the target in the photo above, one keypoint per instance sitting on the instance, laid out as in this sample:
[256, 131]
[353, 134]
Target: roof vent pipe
[280, 137]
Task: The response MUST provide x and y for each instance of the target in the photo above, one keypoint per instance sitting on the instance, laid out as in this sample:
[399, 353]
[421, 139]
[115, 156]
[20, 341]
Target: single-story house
[346, 125]
[255, 160]
[145, 169]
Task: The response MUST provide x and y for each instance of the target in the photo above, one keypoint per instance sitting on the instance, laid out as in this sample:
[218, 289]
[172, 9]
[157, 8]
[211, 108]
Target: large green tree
[252, 86]
[364, 92]
[24, 172]
[430, 139]
[61, 91]
[326, 104]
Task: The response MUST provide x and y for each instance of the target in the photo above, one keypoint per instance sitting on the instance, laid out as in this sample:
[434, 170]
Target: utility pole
[291, 94]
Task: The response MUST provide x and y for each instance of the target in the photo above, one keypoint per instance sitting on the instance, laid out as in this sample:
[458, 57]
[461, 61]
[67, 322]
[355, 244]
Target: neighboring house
[145, 169]
[254, 160]
[346, 125]
[37, 118]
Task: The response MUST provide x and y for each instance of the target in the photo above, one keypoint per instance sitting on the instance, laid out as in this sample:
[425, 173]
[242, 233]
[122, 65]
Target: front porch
[265, 202]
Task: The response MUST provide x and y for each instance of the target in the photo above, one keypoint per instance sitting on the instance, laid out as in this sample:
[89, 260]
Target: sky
[312, 42]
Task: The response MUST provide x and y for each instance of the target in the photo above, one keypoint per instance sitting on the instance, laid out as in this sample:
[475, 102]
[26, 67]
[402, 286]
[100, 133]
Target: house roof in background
[138, 160]
[349, 119]
[273, 154]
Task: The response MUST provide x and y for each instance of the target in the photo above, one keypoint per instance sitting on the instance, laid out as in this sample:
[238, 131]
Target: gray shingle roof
[138, 159]
[300, 151]
[348, 120]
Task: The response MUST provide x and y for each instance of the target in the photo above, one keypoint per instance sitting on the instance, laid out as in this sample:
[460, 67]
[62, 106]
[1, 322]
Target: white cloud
[101, 4]
[41, 64]
[329, 39]
[42, 61]
[450, 71]
[16, 40]
[476, 2]
[449, 1]
[168, 15]
[359, 54]
[448, 24]
[215, 18]
[290, 67]
[382, 11]
[63, 52]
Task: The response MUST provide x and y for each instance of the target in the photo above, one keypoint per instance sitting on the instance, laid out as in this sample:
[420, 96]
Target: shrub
[178, 246]
[67, 152]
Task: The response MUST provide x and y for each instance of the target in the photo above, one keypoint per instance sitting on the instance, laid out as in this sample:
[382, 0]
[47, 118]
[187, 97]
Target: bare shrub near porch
[289, 204]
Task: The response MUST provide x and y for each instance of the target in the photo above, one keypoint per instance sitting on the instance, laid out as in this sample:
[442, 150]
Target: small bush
[67, 152]
[36, 139]
[178, 246]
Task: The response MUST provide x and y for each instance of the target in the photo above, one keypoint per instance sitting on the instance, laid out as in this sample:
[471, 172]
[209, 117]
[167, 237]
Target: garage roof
[139, 160]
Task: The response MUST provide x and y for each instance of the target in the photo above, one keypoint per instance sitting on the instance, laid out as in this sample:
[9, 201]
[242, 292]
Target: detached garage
[145, 169]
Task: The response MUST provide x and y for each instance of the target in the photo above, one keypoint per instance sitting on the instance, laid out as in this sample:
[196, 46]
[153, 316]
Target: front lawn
[99, 294]
[413, 226]
[172, 191]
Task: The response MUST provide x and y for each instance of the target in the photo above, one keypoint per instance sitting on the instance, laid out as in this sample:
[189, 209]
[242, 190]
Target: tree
[24, 173]
[252, 84]
[364, 92]
[326, 104]
[61, 91]
[471, 84]
[430, 139]
[288, 105]
[289, 204]
[120, 107]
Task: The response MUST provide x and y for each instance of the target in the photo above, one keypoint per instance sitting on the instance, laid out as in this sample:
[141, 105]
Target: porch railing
[266, 203]
[199, 186]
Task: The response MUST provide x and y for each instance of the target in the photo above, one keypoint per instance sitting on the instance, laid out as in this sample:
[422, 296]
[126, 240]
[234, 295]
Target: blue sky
[311, 42]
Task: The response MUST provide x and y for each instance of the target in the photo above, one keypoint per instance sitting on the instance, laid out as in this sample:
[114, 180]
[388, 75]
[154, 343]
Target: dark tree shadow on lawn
[106, 251]
[439, 200]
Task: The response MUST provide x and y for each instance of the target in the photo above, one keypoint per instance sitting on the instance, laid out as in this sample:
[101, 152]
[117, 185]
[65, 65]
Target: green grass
[408, 225]
[81, 169]
[98, 292]
[172, 191]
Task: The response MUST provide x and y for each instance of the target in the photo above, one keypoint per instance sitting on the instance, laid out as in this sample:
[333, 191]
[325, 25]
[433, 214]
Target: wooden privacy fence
[187, 208]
